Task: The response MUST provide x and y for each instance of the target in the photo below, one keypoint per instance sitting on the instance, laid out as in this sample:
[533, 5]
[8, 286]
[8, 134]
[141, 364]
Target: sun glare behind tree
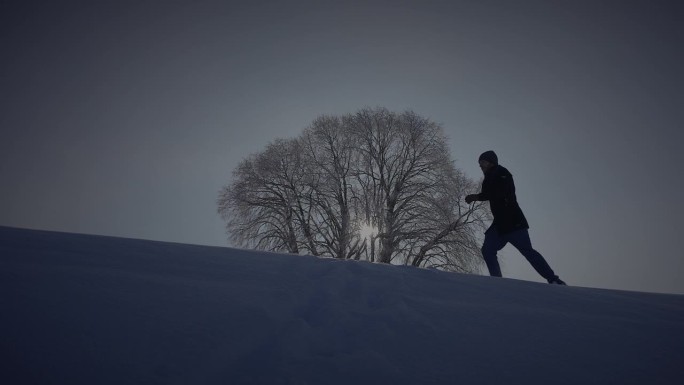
[367, 231]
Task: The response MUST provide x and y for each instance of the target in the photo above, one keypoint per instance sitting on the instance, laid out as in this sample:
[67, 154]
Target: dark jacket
[498, 188]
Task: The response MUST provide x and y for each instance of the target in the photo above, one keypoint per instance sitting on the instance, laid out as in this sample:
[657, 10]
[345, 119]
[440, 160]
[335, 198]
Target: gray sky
[127, 118]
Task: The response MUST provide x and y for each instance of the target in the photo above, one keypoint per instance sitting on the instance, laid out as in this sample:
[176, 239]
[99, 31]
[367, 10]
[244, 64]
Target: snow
[82, 309]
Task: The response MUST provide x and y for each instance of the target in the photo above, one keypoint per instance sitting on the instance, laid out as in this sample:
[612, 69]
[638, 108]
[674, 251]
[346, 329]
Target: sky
[84, 309]
[126, 118]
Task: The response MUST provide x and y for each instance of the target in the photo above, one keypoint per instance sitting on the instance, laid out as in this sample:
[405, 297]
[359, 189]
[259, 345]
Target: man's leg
[521, 240]
[492, 244]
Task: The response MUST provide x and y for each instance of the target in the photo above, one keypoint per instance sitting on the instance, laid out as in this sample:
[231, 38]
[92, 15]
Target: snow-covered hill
[80, 309]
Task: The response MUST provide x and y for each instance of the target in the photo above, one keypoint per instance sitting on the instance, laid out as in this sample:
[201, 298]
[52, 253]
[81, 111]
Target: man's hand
[471, 198]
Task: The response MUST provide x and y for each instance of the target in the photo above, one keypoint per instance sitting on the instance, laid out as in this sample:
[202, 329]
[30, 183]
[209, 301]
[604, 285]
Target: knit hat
[489, 156]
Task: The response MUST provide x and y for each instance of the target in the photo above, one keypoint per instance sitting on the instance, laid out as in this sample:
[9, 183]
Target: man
[509, 223]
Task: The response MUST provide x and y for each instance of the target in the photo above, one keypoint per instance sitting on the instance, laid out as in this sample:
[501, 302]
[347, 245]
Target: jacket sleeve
[497, 187]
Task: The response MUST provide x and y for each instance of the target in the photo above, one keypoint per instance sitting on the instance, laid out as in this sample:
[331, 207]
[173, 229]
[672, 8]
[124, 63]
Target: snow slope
[80, 309]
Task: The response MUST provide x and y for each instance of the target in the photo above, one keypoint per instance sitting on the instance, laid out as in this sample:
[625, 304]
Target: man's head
[488, 160]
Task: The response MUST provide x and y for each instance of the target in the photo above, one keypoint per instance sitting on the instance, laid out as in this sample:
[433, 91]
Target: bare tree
[374, 168]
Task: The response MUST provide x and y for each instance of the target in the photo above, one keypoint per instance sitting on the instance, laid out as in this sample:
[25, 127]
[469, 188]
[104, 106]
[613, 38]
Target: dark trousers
[520, 239]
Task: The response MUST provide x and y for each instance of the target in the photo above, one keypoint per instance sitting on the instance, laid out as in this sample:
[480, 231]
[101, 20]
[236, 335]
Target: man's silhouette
[509, 223]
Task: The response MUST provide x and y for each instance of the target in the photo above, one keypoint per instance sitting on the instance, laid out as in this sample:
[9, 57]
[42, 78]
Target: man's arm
[489, 190]
[476, 197]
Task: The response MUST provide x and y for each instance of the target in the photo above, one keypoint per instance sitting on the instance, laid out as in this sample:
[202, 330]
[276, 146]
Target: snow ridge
[83, 309]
